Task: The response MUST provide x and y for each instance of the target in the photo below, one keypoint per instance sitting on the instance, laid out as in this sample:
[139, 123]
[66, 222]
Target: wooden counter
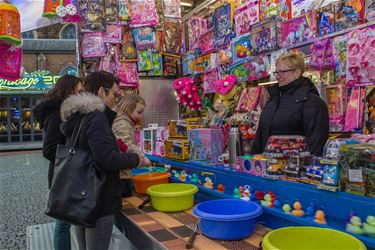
[172, 230]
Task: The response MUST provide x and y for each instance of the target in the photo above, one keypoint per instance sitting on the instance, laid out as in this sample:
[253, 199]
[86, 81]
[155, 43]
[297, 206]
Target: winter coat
[124, 128]
[97, 138]
[47, 113]
[294, 109]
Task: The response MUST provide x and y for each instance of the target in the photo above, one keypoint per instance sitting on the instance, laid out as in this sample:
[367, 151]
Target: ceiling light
[186, 4]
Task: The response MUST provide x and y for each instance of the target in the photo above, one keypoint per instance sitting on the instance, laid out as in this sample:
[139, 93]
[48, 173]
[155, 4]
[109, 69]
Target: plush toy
[187, 93]
[225, 87]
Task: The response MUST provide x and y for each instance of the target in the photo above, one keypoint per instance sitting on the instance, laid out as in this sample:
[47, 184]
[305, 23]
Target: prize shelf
[336, 205]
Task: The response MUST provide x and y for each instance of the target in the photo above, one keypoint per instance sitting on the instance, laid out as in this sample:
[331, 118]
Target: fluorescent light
[186, 4]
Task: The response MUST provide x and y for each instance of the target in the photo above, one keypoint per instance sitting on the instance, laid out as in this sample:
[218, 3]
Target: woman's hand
[144, 161]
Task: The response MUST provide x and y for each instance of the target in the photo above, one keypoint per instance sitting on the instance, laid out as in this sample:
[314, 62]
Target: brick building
[51, 48]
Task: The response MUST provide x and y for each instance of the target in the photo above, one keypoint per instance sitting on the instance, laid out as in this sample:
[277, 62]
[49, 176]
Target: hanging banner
[31, 14]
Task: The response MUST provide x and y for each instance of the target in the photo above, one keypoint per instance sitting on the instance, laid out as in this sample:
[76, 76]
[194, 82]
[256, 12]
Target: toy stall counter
[205, 145]
[177, 149]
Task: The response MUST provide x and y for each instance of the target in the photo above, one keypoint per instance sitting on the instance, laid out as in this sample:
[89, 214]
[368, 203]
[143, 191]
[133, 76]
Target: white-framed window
[68, 31]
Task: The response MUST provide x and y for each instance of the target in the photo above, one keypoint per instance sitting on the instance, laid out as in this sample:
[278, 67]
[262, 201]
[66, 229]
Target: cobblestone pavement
[23, 196]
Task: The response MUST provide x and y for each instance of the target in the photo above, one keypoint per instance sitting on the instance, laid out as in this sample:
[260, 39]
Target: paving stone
[23, 197]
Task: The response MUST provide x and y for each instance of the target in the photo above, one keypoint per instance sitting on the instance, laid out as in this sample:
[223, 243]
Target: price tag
[355, 175]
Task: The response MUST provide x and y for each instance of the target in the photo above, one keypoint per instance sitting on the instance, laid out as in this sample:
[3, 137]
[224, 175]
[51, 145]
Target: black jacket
[97, 137]
[295, 109]
[47, 113]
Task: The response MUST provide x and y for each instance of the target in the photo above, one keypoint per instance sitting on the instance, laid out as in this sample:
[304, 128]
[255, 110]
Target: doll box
[177, 149]
[206, 62]
[264, 36]
[205, 145]
[253, 165]
[299, 30]
[193, 123]
[151, 136]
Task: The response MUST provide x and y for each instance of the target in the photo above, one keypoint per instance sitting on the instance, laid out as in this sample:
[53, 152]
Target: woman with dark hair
[47, 113]
[94, 107]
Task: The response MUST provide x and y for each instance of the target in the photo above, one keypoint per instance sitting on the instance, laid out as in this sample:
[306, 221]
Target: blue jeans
[61, 236]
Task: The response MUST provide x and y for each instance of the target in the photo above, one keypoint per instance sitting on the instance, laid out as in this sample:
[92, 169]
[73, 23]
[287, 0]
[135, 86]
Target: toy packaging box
[206, 62]
[177, 149]
[245, 16]
[241, 47]
[335, 100]
[193, 123]
[152, 137]
[253, 164]
[223, 26]
[205, 145]
[188, 64]
[349, 13]
[298, 30]
[264, 36]
[300, 7]
[177, 129]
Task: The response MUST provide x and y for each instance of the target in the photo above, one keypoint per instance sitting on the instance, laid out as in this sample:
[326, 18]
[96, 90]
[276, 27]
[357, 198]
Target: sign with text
[30, 83]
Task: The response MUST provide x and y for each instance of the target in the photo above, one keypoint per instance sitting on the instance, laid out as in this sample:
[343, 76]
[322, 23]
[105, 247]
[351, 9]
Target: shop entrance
[17, 123]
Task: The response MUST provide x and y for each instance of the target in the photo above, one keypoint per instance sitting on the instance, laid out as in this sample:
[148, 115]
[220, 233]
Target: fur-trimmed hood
[83, 103]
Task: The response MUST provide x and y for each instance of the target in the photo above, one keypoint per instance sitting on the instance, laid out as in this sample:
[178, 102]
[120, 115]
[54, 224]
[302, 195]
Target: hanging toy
[11, 59]
[10, 27]
[72, 11]
[50, 7]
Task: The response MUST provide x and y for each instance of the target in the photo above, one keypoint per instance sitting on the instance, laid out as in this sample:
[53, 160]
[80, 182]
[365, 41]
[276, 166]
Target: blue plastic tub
[227, 219]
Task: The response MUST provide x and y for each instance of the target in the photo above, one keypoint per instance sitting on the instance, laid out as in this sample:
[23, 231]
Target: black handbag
[76, 185]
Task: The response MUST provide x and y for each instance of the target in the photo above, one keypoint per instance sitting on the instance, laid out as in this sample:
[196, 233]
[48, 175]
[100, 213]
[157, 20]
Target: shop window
[68, 31]
[32, 34]
[42, 60]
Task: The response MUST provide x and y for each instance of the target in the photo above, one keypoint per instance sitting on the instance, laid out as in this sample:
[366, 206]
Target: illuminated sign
[30, 83]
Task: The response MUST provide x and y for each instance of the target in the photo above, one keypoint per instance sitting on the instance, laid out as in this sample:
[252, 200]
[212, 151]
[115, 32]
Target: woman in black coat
[47, 113]
[97, 138]
[294, 108]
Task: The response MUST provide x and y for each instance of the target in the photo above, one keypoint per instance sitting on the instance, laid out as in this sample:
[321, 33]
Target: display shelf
[336, 205]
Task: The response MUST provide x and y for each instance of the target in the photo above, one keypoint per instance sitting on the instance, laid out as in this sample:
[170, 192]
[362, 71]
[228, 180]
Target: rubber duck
[320, 217]
[220, 188]
[369, 226]
[298, 209]
[355, 225]
[194, 179]
[236, 193]
[266, 202]
[208, 184]
[286, 208]
[182, 177]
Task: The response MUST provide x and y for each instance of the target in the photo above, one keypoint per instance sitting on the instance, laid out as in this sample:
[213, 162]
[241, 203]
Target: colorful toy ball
[50, 8]
[10, 27]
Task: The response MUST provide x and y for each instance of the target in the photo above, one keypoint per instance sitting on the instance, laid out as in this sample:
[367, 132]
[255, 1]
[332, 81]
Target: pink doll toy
[143, 13]
[209, 79]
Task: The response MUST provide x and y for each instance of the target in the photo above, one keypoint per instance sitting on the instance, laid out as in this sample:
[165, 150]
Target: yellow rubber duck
[369, 226]
[208, 184]
[355, 225]
[298, 209]
[266, 202]
[320, 217]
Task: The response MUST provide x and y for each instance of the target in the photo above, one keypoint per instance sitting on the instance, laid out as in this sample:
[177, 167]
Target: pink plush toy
[224, 86]
[187, 93]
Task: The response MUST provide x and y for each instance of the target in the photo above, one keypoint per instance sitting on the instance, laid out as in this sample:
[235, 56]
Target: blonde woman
[294, 107]
[129, 112]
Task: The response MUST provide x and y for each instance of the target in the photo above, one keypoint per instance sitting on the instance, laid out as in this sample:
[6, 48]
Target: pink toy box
[245, 16]
[205, 145]
[253, 164]
[299, 30]
[153, 137]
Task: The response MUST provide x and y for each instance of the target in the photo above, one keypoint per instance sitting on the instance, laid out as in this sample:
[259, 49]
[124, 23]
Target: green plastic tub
[172, 197]
[310, 238]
